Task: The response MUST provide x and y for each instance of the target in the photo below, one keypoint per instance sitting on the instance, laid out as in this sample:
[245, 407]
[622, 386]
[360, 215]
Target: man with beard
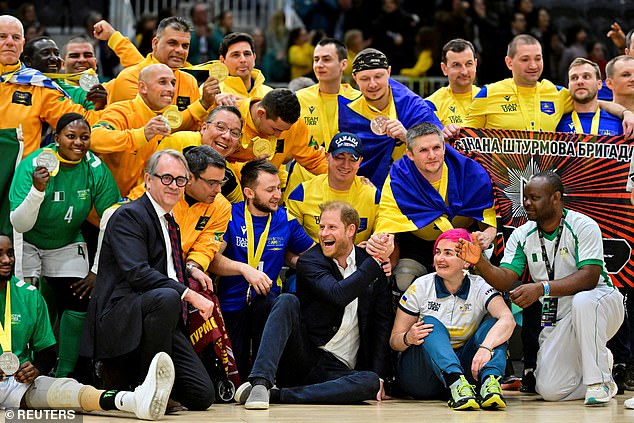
[328, 344]
[584, 82]
[251, 257]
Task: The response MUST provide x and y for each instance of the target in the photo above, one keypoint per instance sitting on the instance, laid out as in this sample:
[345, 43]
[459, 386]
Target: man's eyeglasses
[223, 128]
[167, 180]
[214, 182]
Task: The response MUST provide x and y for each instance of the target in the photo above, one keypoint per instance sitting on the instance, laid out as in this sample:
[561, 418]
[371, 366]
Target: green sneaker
[462, 395]
[491, 394]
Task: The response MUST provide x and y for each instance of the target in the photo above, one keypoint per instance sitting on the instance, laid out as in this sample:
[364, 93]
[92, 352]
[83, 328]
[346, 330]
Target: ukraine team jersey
[504, 105]
[450, 107]
[608, 124]
[461, 313]
[304, 201]
[284, 233]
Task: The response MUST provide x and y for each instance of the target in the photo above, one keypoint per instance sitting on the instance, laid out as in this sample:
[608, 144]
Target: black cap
[346, 142]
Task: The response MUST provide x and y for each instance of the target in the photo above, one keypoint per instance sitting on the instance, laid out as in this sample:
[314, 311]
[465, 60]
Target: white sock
[125, 401]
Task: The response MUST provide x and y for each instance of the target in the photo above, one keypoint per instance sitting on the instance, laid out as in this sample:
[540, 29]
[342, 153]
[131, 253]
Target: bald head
[11, 40]
[156, 86]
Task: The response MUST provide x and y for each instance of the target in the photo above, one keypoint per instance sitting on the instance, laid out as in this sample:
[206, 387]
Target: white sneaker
[243, 392]
[600, 393]
[152, 395]
[629, 403]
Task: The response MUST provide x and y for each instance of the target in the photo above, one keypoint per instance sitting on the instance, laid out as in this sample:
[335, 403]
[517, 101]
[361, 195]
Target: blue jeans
[420, 368]
[303, 372]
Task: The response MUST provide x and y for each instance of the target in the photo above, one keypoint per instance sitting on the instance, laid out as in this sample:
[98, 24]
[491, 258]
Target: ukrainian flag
[355, 117]
[409, 202]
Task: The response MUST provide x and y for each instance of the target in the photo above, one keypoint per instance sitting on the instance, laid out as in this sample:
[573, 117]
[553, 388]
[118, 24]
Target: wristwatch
[190, 266]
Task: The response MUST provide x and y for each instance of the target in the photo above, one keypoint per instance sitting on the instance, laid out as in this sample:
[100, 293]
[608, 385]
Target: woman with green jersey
[52, 193]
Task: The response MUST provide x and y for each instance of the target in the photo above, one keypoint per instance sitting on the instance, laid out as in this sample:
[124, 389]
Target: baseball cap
[346, 142]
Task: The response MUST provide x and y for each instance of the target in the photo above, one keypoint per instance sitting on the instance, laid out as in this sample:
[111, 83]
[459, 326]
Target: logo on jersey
[433, 306]
[311, 109]
[507, 108]
[466, 307]
[82, 194]
[453, 109]
[279, 146]
[59, 196]
[202, 222]
[182, 102]
[507, 97]
[244, 229]
[363, 225]
[21, 97]
[311, 120]
[218, 236]
[547, 107]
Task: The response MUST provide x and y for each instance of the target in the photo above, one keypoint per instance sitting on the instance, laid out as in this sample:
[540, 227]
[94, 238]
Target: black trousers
[163, 330]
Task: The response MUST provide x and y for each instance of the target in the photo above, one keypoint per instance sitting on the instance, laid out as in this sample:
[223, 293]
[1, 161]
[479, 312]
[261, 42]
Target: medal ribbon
[202, 66]
[5, 332]
[70, 76]
[254, 258]
[594, 128]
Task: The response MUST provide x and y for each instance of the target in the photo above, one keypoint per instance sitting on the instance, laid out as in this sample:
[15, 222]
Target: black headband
[369, 60]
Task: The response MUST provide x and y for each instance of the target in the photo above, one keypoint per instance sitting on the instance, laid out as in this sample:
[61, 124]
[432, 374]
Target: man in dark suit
[328, 344]
[139, 303]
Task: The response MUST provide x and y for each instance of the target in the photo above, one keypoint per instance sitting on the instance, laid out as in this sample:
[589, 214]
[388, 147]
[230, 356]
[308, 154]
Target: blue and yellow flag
[409, 202]
[355, 116]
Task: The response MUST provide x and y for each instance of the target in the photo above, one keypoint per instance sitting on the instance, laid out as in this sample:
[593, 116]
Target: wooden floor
[521, 408]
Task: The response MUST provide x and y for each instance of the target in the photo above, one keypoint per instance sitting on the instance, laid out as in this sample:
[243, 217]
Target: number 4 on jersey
[69, 215]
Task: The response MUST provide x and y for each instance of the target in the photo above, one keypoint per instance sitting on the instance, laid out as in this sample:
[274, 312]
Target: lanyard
[550, 269]
[594, 128]
[255, 257]
[536, 123]
[5, 332]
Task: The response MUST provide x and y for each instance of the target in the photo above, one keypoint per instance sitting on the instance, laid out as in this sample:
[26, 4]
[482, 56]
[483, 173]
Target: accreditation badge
[9, 363]
[549, 311]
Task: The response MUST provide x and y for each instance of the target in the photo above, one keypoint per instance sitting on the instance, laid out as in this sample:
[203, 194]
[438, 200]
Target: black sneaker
[528, 383]
[619, 374]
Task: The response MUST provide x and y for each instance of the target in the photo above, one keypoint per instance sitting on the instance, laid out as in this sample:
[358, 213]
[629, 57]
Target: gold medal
[377, 125]
[261, 147]
[173, 117]
[48, 159]
[219, 71]
[87, 81]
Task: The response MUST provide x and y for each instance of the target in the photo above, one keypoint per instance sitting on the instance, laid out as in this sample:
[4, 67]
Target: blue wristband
[546, 288]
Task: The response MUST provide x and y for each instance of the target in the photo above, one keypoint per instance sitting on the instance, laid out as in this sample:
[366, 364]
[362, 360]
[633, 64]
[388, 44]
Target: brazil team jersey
[284, 233]
[504, 105]
[304, 201]
[608, 124]
[30, 327]
[68, 198]
[450, 107]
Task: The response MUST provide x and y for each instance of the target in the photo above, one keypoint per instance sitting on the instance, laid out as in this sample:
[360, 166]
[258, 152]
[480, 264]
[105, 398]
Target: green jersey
[30, 327]
[68, 198]
[77, 94]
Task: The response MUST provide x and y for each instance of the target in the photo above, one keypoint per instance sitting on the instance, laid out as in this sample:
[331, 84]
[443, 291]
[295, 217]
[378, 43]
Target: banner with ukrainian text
[594, 171]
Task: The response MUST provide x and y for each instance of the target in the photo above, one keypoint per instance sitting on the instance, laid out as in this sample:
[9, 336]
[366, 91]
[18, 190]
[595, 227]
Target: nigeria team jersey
[30, 327]
[581, 244]
[68, 198]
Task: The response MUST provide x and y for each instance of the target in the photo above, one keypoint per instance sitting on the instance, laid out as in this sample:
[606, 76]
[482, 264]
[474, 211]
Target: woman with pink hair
[446, 343]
